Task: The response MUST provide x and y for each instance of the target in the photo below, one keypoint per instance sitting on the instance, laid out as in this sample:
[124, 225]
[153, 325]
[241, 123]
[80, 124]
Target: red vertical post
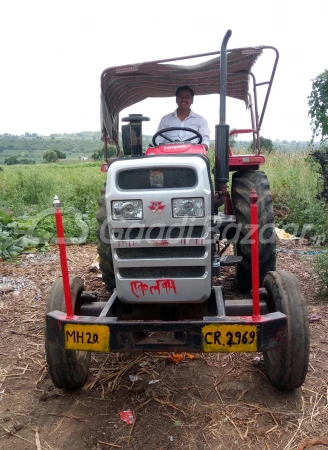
[63, 258]
[228, 205]
[255, 255]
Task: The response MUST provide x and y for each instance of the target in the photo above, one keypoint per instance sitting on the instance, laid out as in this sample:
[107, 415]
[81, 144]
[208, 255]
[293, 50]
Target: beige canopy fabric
[124, 86]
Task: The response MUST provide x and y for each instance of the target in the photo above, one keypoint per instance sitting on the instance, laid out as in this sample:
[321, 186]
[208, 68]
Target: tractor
[167, 223]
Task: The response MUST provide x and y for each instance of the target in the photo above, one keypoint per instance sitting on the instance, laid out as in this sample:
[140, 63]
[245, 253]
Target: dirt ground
[213, 401]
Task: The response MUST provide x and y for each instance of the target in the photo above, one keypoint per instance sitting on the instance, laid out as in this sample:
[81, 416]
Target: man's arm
[161, 124]
[204, 130]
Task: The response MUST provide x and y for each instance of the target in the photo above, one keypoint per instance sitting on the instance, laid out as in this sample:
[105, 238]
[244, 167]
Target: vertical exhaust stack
[221, 171]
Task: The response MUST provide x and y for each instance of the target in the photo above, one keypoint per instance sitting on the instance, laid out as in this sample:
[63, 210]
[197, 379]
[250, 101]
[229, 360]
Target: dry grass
[211, 402]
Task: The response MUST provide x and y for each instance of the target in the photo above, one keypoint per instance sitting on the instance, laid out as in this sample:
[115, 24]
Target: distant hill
[31, 146]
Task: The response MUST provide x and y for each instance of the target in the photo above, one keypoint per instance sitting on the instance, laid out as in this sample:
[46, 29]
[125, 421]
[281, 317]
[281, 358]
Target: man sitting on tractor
[183, 116]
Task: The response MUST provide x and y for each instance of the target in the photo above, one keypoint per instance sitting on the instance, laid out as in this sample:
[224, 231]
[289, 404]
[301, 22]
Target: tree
[232, 139]
[60, 155]
[50, 156]
[318, 107]
[26, 161]
[320, 155]
[266, 144]
[12, 160]
[99, 155]
[318, 112]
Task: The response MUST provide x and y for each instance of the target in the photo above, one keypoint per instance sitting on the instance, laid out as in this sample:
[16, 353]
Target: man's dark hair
[184, 88]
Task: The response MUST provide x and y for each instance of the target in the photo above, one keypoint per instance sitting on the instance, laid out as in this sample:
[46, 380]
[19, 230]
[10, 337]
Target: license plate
[86, 337]
[229, 338]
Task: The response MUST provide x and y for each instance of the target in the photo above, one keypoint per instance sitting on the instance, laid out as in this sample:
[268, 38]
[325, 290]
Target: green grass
[291, 176]
[295, 184]
[30, 189]
[27, 194]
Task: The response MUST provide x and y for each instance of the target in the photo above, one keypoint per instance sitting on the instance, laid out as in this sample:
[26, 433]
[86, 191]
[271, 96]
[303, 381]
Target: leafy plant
[320, 156]
[11, 244]
[37, 232]
[321, 268]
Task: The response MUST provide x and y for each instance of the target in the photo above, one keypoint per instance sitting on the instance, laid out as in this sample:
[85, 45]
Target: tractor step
[230, 260]
[222, 220]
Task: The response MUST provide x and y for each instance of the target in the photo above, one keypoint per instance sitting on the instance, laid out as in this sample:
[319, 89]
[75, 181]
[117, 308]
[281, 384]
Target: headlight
[127, 209]
[188, 207]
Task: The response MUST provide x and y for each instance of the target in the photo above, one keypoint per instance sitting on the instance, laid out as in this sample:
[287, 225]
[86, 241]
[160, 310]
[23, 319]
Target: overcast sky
[53, 52]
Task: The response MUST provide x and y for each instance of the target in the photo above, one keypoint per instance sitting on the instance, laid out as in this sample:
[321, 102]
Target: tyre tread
[242, 184]
[67, 369]
[285, 296]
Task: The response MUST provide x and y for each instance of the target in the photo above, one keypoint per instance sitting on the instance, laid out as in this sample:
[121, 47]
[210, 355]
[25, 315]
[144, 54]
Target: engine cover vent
[157, 178]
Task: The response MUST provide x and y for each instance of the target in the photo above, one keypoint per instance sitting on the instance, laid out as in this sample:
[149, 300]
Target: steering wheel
[165, 130]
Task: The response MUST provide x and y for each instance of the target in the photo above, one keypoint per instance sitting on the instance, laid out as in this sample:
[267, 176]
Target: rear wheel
[104, 248]
[68, 369]
[242, 184]
[287, 366]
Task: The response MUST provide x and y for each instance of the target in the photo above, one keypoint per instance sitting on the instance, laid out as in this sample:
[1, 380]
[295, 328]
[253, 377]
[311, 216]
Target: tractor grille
[160, 252]
[157, 178]
[124, 234]
[161, 272]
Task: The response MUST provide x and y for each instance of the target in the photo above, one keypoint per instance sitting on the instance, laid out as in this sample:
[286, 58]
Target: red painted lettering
[138, 288]
[168, 285]
[156, 287]
[161, 243]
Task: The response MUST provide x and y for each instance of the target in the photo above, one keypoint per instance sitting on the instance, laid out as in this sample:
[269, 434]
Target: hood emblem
[156, 207]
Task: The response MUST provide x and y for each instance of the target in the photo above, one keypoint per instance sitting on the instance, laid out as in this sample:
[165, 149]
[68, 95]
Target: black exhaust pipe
[221, 171]
[133, 146]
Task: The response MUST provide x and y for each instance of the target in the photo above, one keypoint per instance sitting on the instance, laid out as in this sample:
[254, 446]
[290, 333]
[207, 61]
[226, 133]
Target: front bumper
[211, 334]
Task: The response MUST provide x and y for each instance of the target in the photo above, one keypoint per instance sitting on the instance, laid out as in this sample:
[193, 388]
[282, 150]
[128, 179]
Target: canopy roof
[123, 86]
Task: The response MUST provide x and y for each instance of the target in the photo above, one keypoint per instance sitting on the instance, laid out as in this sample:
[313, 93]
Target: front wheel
[287, 366]
[68, 369]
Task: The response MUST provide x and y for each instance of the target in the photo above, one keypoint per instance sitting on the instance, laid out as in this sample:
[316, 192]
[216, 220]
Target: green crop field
[26, 213]
[30, 189]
